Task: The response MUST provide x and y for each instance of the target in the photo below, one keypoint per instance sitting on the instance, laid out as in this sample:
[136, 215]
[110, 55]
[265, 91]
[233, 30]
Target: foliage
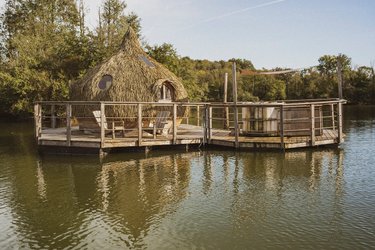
[45, 46]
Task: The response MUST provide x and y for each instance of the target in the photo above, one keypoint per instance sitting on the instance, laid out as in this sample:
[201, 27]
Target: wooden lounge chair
[159, 125]
[113, 128]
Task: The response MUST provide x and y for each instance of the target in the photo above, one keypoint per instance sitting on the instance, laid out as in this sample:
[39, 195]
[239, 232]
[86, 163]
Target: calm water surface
[176, 200]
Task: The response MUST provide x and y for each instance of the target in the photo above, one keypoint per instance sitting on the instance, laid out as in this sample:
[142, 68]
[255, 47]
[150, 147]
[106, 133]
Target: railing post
[333, 116]
[102, 124]
[236, 128]
[205, 124]
[174, 123]
[226, 109]
[282, 127]
[38, 120]
[139, 124]
[339, 122]
[68, 124]
[198, 115]
[312, 119]
[209, 124]
[53, 116]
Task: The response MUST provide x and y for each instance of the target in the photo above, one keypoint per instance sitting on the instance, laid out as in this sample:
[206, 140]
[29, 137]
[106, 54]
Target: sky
[270, 33]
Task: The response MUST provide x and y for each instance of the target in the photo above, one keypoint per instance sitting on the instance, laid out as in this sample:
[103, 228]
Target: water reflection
[129, 202]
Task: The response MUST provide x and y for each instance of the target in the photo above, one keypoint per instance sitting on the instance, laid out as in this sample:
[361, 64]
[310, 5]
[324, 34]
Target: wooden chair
[114, 127]
[160, 123]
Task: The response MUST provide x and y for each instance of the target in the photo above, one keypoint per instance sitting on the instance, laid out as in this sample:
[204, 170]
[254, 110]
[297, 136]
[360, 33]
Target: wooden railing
[241, 119]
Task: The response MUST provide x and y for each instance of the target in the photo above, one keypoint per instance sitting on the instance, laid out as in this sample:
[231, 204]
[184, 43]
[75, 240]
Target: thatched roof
[136, 77]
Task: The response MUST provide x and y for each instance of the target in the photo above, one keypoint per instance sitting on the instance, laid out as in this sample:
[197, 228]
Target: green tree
[42, 51]
[113, 23]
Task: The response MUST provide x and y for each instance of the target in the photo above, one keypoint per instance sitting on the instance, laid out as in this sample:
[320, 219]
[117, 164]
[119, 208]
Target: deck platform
[187, 135]
[317, 123]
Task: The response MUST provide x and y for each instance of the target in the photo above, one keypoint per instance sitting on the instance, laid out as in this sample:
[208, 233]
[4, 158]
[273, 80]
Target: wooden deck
[187, 135]
[292, 125]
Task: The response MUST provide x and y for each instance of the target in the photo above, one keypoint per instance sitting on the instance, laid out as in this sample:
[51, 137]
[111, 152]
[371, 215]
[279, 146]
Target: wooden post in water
[68, 124]
[102, 125]
[312, 120]
[139, 107]
[226, 109]
[38, 120]
[339, 77]
[174, 123]
[236, 128]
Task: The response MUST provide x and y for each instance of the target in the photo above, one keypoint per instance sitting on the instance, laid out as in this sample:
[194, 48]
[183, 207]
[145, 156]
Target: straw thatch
[136, 78]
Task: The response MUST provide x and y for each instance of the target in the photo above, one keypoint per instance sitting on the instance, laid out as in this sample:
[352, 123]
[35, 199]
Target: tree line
[45, 46]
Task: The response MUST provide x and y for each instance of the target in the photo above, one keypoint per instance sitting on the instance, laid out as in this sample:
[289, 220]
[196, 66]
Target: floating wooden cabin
[130, 75]
[130, 100]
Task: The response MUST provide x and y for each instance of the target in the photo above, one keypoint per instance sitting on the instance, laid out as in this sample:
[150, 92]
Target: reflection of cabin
[130, 75]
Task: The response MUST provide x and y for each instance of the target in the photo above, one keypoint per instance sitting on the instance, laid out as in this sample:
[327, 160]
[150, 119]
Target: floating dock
[279, 125]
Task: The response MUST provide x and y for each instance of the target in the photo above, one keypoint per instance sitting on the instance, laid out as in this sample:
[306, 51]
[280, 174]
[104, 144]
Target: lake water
[215, 199]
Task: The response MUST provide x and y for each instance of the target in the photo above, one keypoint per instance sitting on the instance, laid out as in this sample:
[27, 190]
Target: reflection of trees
[61, 204]
[138, 191]
[44, 205]
[289, 183]
[121, 201]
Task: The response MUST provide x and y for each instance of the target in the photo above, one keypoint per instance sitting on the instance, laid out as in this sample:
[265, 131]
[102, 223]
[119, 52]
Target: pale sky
[270, 33]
